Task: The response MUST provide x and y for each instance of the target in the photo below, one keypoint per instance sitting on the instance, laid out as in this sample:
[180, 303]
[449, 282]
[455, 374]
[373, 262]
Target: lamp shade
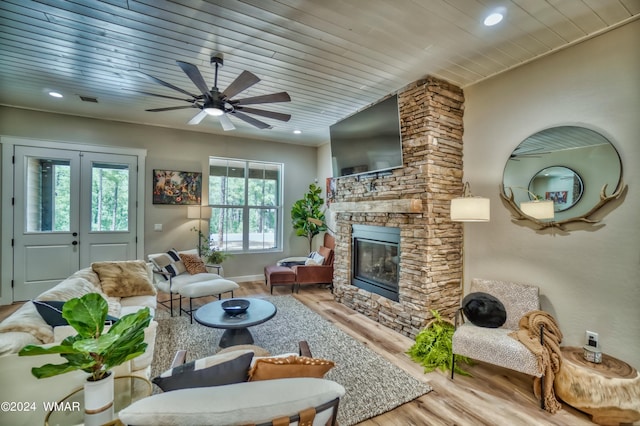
[193, 212]
[198, 212]
[538, 209]
[470, 209]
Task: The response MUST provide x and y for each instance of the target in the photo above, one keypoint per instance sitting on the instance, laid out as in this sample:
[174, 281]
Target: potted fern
[433, 348]
[92, 350]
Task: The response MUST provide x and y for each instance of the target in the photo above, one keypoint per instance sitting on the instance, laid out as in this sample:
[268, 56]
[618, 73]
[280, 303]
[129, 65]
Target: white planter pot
[98, 401]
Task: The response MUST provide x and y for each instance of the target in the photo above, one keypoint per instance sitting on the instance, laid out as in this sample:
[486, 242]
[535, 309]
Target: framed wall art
[178, 188]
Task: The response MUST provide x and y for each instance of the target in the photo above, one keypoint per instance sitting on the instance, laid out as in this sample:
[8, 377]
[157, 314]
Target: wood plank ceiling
[333, 57]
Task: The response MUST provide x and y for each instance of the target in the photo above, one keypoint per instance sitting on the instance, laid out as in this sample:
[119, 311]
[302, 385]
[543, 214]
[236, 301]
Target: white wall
[590, 280]
[178, 150]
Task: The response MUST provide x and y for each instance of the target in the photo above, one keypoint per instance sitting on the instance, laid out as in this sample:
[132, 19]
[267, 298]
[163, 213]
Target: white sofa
[26, 326]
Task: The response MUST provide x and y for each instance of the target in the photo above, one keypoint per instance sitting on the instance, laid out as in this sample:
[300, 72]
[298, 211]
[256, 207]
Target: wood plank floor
[493, 396]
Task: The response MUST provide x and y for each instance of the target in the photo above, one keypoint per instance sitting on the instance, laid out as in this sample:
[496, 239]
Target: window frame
[246, 207]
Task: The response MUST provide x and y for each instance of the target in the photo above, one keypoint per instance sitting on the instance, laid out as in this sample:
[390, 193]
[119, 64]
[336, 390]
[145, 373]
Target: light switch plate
[157, 227]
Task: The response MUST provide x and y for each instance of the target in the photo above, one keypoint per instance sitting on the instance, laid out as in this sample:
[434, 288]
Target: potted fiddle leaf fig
[92, 350]
[309, 207]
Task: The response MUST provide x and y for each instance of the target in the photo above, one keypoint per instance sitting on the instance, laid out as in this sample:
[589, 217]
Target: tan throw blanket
[548, 355]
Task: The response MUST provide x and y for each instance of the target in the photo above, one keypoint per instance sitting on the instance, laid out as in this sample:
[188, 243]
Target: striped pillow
[169, 262]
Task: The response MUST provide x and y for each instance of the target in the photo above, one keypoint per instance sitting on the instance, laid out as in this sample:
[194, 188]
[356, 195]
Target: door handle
[75, 243]
[75, 234]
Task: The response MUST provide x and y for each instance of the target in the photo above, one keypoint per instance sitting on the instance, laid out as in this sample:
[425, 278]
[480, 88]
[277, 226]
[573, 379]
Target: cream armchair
[494, 345]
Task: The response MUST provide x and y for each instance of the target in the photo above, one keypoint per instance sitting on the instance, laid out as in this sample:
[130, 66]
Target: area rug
[373, 384]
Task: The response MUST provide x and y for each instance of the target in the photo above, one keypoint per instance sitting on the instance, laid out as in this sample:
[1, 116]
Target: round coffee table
[235, 326]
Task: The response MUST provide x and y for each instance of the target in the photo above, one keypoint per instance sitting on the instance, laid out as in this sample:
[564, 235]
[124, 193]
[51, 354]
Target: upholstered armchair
[318, 274]
[494, 345]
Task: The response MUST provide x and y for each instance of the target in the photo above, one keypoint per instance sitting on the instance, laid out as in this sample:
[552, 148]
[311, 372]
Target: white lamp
[536, 208]
[469, 208]
[199, 212]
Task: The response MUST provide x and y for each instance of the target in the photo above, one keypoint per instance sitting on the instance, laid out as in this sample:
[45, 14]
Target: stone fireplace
[413, 200]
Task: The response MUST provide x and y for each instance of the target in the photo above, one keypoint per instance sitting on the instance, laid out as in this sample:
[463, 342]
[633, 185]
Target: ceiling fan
[219, 104]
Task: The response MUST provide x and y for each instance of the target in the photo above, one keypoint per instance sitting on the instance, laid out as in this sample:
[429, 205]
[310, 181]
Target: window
[246, 201]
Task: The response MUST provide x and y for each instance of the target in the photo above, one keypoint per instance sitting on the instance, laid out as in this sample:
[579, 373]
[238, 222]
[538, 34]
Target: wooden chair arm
[304, 349]
[179, 358]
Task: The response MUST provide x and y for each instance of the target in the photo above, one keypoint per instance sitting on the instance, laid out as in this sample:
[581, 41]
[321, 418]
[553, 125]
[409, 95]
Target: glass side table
[127, 390]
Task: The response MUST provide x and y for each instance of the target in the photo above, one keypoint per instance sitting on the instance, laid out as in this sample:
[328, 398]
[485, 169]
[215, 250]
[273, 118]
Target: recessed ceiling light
[55, 94]
[297, 132]
[493, 19]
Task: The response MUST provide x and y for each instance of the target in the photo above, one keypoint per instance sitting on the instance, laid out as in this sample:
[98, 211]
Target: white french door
[71, 208]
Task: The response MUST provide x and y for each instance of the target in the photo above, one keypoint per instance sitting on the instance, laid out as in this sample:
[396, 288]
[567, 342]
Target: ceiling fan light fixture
[216, 112]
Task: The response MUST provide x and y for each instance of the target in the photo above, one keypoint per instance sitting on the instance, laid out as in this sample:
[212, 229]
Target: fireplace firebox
[376, 258]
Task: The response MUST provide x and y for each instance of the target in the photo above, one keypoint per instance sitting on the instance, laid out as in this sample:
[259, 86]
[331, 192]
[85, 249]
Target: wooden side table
[609, 392]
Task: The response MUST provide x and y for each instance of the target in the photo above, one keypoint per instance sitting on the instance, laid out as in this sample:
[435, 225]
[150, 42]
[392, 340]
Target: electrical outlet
[592, 339]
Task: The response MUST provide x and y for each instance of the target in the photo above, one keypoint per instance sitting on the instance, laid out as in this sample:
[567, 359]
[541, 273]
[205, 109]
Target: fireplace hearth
[376, 259]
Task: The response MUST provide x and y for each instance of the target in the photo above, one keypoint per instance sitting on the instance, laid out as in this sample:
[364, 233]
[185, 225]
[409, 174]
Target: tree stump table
[609, 392]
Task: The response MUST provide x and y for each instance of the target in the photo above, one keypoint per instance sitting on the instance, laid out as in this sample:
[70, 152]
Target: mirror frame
[519, 215]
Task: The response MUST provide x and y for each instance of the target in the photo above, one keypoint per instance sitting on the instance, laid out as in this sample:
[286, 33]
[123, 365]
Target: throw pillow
[291, 366]
[318, 259]
[168, 262]
[216, 370]
[124, 278]
[484, 310]
[51, 312]
[193, 263]
[327, 255]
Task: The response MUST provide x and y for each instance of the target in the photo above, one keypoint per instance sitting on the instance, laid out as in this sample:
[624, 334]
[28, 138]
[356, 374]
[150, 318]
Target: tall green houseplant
[307, 208]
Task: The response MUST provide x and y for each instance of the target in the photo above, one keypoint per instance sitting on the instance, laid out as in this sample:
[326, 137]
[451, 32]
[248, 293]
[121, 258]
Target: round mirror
[559, 184]
[569, 165]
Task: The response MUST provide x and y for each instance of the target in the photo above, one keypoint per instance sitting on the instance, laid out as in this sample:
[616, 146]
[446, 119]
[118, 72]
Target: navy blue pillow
[51, 312]
[484, 310]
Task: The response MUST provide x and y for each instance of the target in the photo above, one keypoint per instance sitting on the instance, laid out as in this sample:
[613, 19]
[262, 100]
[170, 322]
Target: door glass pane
[109, 197]
[48, 197]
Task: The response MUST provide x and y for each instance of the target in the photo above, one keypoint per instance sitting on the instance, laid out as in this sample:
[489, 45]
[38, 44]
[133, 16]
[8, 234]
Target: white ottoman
[205, 288]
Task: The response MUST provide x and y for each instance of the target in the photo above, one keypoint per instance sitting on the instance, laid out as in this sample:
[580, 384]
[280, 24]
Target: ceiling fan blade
[168, 97]
[259, 124]
[194, 74]
[264, 99]
[164, 83]
[269, 114]
[226, 123]
[170, 108]
[241, 83]
[198, 118]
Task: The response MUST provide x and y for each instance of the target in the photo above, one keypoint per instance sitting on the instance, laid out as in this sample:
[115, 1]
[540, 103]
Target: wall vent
[88, 99]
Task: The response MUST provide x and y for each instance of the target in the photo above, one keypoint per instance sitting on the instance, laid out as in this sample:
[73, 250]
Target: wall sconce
[469, 208]
[536, 208]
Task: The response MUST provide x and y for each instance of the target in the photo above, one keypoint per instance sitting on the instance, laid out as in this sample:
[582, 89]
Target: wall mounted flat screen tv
[368, 141]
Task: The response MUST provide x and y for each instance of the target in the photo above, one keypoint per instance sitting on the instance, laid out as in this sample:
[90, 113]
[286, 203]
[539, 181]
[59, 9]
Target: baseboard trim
[246, 278]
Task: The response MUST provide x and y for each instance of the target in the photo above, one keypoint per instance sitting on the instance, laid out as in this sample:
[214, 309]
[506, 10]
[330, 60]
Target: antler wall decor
[604, 199]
